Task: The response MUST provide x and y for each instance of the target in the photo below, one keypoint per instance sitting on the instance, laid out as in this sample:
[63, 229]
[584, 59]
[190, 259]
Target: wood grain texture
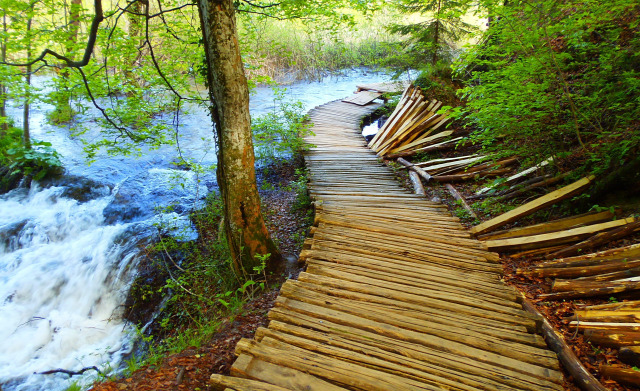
[396, 295]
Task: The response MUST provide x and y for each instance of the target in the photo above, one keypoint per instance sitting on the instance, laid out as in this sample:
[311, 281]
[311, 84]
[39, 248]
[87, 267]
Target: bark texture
[246, 232]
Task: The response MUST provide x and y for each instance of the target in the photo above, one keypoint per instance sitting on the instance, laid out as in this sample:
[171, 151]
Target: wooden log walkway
[396, 295]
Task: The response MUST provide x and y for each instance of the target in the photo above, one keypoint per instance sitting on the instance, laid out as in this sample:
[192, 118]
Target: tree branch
[71, 373]
[93, 35]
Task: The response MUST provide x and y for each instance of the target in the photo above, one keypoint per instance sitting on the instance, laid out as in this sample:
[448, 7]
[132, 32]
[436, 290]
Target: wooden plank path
[396, 295]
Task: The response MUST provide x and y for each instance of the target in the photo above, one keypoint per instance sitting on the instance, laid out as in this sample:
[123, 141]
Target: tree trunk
[135, 34]
[26, 133]
[3, 90]
[246, 232]
[62, 99]
[436, 35]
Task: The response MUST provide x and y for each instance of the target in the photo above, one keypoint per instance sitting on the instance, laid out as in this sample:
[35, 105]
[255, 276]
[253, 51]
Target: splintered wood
[411, 126]
[396, 295]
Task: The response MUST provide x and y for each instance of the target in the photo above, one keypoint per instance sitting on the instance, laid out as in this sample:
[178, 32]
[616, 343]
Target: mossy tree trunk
[246, 232]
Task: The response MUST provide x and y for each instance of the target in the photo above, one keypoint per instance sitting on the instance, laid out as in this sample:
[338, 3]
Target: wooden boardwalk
[396, 296]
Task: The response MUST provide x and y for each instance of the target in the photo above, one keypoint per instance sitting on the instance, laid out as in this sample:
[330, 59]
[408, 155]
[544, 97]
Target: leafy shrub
[557, 79]
[280, 133]
[36, 162]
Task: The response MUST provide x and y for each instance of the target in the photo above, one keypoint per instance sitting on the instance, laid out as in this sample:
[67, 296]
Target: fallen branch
[415, 169]
[72, 373]
[556, 342]
[460, 198]
[470, 176]
[418, 188]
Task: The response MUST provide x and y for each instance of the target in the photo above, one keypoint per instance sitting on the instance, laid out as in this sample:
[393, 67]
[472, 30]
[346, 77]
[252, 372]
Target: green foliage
[36, 162]
[437, 35]
[279, 134]
[557, 78]
[436, 81]
[289, 50]
[299, 185]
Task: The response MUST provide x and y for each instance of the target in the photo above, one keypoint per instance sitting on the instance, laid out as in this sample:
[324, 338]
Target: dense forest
[541, 80]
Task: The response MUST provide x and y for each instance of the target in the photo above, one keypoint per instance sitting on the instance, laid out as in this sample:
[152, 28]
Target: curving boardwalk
[396, 296]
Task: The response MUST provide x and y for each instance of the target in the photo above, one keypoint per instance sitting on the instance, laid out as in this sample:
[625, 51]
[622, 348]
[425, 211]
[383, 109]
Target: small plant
[280, 133]
[37, 162]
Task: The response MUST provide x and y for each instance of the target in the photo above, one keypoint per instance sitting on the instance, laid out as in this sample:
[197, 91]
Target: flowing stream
[69, 247]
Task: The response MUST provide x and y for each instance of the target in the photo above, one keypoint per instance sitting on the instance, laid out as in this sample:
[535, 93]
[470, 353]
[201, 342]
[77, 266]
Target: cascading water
[68, 249]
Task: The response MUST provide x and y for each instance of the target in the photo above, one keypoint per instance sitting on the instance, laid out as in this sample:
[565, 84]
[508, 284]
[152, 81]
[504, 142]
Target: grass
[286, 51]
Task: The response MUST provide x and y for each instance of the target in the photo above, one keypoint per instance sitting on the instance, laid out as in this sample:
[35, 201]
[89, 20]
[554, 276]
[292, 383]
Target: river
[69, 247]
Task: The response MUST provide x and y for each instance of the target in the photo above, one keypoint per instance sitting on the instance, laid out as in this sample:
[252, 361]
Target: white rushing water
[68, 250]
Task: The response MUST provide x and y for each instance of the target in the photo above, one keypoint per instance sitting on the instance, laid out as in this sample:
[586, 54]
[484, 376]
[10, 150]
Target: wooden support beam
[582, 377]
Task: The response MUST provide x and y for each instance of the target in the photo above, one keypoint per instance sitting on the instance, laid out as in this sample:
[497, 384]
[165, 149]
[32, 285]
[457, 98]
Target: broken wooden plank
[611, 288]
[239, 384]
[517, 176]
[626, 376]
[250, 367]
[597, 240]
[534, 206]
[553, 238]
[612, 339]
[363, 98]
[551, 226]
[630, 355]
[430, 148]
[628, 252]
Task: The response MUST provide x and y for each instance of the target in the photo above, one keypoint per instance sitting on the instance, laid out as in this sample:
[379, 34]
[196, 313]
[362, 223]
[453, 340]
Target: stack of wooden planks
[464, 168]
[396, 295]
[411, 126]
[604, 273]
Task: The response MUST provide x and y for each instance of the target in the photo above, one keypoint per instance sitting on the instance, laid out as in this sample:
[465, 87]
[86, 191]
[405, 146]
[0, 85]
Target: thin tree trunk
[436, 35]
[135, 34]
[4, 126]
[26, 134]
[246, 232]
[63, 95]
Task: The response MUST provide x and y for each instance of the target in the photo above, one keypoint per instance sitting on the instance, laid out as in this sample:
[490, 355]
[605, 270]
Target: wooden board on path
[363, 97]
[396, 295]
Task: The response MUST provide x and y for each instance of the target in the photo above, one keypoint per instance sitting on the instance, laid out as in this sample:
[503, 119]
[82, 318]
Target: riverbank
[177, 366]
